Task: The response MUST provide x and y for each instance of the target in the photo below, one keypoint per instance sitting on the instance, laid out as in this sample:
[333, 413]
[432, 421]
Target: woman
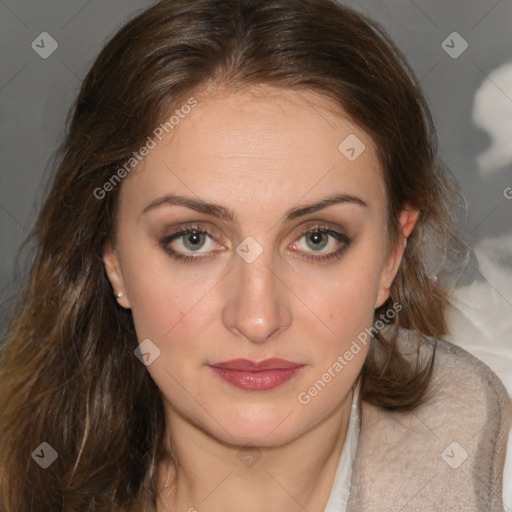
[237, 296]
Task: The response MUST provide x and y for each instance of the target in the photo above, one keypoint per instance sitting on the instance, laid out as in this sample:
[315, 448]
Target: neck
[212, 476]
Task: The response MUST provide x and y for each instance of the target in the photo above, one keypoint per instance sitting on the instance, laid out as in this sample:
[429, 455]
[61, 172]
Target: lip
[254, 366]
[256, 375]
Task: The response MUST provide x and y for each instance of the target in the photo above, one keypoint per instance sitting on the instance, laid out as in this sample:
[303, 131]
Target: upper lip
[254, 366]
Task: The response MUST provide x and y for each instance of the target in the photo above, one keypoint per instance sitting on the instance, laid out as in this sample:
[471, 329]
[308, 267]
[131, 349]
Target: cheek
[349, 309]
[164, 306]
[162, 292]
[344, 295]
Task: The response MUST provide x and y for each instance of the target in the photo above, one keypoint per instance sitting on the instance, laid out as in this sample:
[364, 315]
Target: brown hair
[68, 373]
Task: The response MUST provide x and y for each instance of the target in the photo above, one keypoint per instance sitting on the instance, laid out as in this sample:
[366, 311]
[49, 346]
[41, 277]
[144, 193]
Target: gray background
[471, 98]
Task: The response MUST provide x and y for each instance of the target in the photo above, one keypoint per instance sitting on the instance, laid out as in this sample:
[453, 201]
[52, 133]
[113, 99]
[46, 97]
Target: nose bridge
[257, 305]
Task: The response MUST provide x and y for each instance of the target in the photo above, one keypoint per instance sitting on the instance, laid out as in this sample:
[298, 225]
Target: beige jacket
[447, 455]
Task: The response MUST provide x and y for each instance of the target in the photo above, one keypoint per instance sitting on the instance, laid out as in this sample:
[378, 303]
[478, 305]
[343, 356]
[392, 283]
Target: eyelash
[189, 229]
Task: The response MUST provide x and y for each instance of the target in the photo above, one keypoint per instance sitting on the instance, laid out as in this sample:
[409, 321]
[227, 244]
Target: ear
[407, 219]
[114, 274]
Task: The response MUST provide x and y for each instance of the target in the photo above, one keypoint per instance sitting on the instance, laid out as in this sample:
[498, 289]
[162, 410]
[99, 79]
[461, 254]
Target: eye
[327, 243]
[189, 243]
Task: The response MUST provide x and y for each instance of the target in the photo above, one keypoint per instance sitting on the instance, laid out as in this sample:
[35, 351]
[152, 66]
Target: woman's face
[286, 256]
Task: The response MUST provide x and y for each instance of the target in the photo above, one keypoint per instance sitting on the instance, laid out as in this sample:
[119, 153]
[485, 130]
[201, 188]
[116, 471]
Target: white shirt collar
[338, 499]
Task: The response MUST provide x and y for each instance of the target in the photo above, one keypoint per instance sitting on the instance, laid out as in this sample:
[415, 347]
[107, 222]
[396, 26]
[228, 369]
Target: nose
[257, 300]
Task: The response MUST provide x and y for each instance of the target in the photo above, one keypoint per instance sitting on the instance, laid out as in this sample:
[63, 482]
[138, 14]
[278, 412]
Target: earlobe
[114, 274]
[407, 220]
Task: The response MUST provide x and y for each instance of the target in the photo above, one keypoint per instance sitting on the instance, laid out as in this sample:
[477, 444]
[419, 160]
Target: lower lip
[256, 381]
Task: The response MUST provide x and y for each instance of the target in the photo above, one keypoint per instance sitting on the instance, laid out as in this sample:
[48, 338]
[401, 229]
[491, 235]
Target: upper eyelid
[313, 227]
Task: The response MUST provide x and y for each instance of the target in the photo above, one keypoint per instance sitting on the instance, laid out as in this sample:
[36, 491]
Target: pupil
[194, 240]
[318, 240]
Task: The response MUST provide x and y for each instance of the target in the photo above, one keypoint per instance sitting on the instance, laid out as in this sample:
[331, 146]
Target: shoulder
[447, 452]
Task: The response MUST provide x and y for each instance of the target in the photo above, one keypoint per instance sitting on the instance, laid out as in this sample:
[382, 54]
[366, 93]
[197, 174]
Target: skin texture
[258, 152]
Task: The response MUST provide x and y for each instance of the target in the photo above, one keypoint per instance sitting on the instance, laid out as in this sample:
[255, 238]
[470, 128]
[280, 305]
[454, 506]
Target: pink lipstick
[256, 376]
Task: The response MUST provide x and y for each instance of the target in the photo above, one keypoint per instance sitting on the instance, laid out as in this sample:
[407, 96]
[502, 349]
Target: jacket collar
[447, 454]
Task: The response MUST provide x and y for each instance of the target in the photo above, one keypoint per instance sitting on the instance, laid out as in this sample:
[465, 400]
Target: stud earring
[119, 295]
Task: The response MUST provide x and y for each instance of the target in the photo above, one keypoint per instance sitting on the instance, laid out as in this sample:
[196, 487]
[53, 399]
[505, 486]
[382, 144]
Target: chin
[258, 439]
[250, 427]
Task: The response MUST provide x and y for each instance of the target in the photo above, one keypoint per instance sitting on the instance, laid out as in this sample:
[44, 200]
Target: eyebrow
[226, 214]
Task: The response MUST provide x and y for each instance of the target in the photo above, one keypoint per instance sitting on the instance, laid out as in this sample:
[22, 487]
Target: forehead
[260, 148]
